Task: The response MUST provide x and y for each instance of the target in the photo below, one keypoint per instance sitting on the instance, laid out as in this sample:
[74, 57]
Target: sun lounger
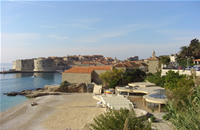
[116, 102]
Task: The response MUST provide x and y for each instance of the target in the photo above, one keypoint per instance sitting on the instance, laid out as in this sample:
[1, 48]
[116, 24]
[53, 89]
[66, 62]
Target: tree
[123, 119]
[195, 48]
[112, 78]
[181, 91]
[189, 52]
[171, 79]
[164, 60]
[134, 76]
[119, 77]
[156, 78]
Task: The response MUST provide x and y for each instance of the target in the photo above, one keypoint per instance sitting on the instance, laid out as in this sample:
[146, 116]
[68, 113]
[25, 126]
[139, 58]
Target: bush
[186, 118]
[63, 86]
[156, 78]
[123, 119]
[165, 117]
[153, 119]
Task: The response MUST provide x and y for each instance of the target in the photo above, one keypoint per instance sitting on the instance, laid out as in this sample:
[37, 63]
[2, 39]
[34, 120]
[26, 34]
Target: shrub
[153, 119]
[186, 118]
[63, 86]
[123, 119]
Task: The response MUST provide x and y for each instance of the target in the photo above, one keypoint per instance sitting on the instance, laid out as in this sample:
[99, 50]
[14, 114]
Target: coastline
[69, 110]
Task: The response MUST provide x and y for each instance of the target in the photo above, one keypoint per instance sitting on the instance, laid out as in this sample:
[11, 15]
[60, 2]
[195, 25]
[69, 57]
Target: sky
[32, 29]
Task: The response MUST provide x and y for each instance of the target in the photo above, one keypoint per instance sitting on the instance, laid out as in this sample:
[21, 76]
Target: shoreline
[71, 110]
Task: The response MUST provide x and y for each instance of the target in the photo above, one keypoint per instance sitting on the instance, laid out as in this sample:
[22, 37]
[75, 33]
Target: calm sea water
[16, 82]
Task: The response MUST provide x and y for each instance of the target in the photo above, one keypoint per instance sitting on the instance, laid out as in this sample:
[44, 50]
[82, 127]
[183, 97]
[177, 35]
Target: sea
[16, 82]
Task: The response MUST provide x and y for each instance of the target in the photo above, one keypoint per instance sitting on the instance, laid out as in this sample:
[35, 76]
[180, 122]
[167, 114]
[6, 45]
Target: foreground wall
[187, 72]
[76, 77]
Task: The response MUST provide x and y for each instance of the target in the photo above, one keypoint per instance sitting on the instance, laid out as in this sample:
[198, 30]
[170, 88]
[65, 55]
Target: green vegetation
[112, 78]
[171, 79]
[188, 117]
[119, 77]
[153, 118]
[183, 108]
[164, 60]
[188, 53]
[156, 78]
[133, 76]
[123, 119]
[63, 86]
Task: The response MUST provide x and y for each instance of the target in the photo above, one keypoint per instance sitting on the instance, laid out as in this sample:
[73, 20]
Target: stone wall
[44, 65]
[24, 65]
[153, 66]
[27, 65]
[95, 76]
[187, 72]
[77, 77]
[18, 65]
[14, 65]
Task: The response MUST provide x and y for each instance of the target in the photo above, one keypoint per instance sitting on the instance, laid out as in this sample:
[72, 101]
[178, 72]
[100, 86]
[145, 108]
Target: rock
[39, 89]
[71, 88]
[12, 94]
[81, 88]
[51, 87]
[61, 89]
[25, 92]
[38, 94]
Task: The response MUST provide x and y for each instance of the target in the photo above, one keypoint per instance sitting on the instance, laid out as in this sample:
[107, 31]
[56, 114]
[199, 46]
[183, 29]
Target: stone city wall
[27, 65]
[44, 65]
[24, 65]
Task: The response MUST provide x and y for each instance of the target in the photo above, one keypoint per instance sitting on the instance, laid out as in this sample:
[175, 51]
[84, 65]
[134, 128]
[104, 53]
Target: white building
[173, 58]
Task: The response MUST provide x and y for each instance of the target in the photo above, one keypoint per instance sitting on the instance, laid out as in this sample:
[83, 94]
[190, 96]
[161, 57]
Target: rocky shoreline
[33, 94]
[51, 90]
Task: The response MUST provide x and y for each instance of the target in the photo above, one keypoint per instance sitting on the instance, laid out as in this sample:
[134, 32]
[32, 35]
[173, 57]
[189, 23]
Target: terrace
[150, 95]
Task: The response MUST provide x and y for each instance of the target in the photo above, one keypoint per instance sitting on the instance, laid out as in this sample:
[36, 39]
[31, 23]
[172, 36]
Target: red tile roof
[87, 69]
[133, 64]
[142, 64]
[197, 60]
[119, 65]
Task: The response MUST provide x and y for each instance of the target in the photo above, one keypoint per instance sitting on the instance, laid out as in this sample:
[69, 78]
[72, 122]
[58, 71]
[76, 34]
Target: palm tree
[184, 51]
[195, 48]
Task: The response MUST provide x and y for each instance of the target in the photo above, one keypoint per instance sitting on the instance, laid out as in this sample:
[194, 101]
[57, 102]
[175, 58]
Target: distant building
[133, 58]
[44, 65]
[84, 74]
[196, 61]
[26, 65]
[126, 66]
[173, 58]
[153, 63]
[109, 59]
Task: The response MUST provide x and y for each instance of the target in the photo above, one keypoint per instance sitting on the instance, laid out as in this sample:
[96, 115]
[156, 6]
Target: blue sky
[31, 29]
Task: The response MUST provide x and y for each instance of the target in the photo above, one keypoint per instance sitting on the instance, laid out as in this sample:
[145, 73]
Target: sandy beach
[53, 112]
